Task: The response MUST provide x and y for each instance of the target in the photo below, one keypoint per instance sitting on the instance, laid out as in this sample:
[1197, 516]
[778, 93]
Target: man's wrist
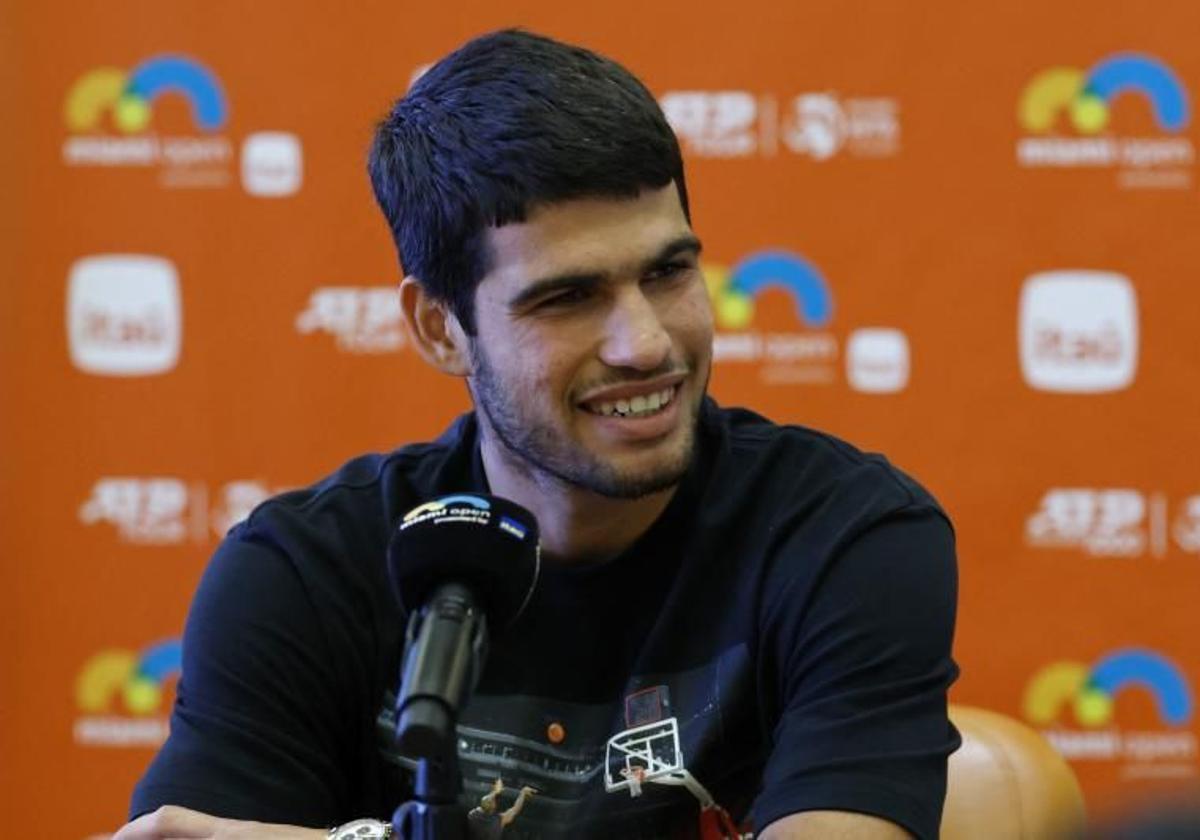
[364, 829]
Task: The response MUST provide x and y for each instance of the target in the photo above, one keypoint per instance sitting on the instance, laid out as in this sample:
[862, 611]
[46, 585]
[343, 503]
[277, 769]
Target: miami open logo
[113, 116]
[1067, 115]
[1089, 695]
[127, 97]
[122, 695]
[876, 358]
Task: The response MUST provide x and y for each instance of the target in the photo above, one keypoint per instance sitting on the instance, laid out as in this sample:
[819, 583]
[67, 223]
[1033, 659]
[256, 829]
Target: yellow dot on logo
[1089, 113]
[1093, 707]
[142, 695]
[131, 113]
[734, 310]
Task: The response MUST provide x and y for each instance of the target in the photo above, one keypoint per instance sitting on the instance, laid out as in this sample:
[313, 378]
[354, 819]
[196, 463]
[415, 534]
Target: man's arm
[259, 727]
[859, 664]
[171, 822]
[833, 825]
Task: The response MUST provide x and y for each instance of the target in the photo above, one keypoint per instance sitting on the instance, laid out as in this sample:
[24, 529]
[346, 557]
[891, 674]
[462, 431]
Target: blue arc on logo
[797, 277]
[1150, 670]
[474, 501]
[163, 74]
[161, 660]
[1126, 72]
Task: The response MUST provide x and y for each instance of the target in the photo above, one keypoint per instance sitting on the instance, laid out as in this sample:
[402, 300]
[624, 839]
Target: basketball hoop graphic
[649, 753]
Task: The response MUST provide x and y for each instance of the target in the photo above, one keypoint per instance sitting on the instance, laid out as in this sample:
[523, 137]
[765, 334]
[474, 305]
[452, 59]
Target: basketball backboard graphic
[642, 754]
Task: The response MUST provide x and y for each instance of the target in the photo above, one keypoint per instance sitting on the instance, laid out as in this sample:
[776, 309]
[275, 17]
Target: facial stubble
[546, 452]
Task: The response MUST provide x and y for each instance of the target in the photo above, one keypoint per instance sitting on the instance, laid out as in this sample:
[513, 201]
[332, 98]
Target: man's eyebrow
[687, 243]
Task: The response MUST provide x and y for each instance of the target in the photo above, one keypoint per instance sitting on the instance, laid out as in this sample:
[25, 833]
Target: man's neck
[576, 525]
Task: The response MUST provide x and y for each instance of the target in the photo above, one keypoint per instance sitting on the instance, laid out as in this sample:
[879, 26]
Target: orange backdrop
[983, 225]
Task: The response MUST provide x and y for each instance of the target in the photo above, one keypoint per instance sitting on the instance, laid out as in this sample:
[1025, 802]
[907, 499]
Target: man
[737, 623]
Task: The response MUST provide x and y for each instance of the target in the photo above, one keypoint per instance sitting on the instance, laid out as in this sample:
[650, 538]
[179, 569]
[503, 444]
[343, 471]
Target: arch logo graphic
[129, 96]
[132, 681]
[1087, 96]
[1091, 693]
[110, 115]
[1084, 100]
[877, 358]
[733, 292]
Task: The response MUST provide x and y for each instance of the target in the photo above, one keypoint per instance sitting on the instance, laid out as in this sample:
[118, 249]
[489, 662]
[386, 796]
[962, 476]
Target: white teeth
[635, 406]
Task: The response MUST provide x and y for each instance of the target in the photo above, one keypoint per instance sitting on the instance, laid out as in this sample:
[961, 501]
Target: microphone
[455, 565]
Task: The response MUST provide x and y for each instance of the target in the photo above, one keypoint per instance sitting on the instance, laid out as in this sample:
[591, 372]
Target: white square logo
[272, 164]
[877, 360]
[123, 315]
[1078, 331]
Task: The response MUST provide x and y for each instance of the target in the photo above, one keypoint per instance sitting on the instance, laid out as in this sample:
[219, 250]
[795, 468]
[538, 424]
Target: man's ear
[434, 329]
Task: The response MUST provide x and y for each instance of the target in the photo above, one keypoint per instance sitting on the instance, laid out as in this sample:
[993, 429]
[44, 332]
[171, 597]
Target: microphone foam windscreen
[486, 543]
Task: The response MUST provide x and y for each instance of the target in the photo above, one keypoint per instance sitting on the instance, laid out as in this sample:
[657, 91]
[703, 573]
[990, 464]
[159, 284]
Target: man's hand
[170, 822]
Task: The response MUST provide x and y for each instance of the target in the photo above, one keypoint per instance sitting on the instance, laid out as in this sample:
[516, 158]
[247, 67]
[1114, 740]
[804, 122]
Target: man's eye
[668, 271]
[565, 298]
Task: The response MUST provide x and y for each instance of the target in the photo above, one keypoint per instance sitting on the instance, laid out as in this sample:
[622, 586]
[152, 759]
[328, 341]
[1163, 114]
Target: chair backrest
[1007, 783]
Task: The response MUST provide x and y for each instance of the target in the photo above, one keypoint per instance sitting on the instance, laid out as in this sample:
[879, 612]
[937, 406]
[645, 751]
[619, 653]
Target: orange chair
[1007, 783]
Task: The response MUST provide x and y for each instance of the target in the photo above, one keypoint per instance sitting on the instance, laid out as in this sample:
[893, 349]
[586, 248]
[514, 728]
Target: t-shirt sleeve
[863, 664]
[257, 725]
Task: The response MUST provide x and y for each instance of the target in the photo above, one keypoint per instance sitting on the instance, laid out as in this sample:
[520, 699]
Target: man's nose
[634, 335]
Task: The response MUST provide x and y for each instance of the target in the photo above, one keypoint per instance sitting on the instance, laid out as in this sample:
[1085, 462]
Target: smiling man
[740, 627]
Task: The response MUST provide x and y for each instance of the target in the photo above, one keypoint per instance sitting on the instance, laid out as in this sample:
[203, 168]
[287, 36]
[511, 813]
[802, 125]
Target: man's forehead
[586, 235]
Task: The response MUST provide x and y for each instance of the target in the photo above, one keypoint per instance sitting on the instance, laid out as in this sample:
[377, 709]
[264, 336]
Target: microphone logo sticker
[458, 508]
[511, 526]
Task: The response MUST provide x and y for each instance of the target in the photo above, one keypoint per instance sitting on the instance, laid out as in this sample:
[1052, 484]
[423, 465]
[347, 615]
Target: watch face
[362, 830]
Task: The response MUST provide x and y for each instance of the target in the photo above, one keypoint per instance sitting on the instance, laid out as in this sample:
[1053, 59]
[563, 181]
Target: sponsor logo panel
[123, 696]
[876, 358]
[361, 319]
[1066, 114]
[124, 316]
[1076, 705]
[817, 126]
[1114, 522]
[1078, 331]
[110, 114]
[168, 510]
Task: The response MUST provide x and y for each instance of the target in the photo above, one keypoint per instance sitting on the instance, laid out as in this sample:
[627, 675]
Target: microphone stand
[447, 644]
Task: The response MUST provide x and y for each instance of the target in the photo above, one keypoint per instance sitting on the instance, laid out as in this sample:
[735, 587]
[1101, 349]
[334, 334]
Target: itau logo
[1067, 113]
[877, 358]
[122, 696]
[1088, 695]
[1078, 331]
[111, 115]
[124, 316]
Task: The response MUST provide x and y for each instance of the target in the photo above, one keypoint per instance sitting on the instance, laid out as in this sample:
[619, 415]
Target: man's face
[593, 343]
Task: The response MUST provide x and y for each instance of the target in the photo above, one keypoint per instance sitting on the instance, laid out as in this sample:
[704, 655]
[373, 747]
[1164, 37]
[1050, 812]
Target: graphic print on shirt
[569, 754]
[649, 752]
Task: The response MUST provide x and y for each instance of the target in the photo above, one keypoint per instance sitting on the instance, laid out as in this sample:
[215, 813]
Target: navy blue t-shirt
[777, 641]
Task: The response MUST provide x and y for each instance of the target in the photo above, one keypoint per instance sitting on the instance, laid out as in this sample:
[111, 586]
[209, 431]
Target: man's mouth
[642, 405]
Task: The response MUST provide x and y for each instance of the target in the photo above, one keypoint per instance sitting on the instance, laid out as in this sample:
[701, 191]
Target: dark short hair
[508, 121]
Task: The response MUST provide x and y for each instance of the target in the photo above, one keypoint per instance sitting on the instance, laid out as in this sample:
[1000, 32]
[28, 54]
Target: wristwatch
[361, 830]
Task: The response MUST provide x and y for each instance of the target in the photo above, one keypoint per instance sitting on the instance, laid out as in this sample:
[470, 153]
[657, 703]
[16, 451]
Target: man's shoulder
[790, 463]
[370, 491]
